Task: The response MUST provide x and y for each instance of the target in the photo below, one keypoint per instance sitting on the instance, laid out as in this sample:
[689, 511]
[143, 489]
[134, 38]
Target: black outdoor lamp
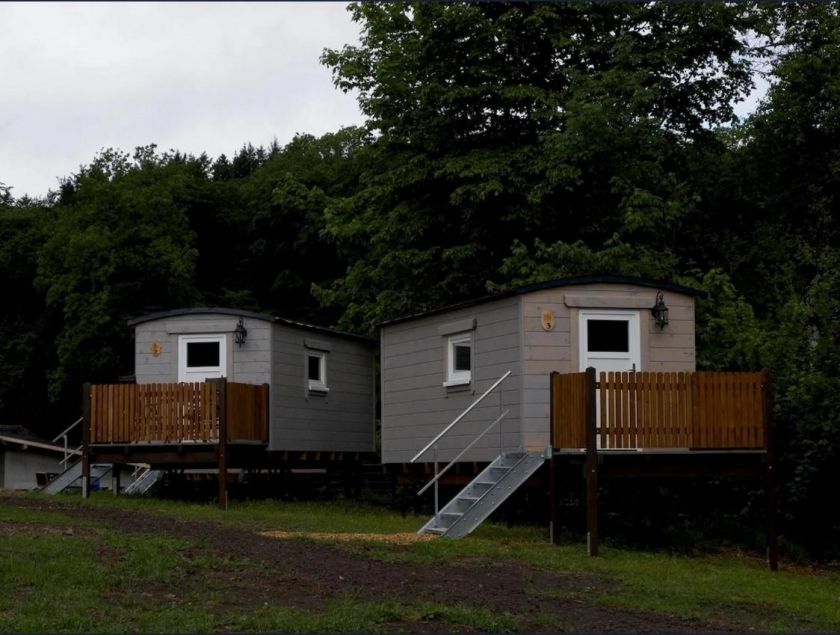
[660, 311]
[240, 332]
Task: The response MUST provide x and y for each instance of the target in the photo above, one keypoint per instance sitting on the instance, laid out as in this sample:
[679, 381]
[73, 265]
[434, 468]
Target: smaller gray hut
[321, 381]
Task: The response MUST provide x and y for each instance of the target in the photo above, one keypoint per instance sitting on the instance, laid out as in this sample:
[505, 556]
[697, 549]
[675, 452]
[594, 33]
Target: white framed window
[610, 340]
[316, 371]
[459, 359]
[201, 357]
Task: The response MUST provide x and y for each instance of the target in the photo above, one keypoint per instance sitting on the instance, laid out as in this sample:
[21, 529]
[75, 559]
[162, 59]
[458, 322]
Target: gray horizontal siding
[415, 404]
[249, 363]
[341, 420]
[557, 350]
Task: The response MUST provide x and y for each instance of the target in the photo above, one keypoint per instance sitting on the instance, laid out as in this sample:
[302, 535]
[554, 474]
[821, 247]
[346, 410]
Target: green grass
[58, 581]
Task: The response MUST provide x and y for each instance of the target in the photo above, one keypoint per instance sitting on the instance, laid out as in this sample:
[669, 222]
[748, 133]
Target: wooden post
[267, 404]
[769, 447]
[86, 440]
[554, 524]
[221, 400]
[115, 478]
[591, 465]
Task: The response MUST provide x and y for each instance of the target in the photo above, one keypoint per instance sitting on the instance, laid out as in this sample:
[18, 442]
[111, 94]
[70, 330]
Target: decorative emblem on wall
[548, 320]
[156, 348]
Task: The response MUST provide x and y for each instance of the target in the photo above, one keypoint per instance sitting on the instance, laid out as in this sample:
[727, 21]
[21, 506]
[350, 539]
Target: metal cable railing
[432, 445]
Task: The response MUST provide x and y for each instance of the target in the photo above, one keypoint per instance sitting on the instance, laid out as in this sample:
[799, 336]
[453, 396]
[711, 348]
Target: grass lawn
[114, 564]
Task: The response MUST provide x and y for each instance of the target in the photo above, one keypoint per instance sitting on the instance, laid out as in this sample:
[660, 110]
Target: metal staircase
[484, 494]
[73, 476]
[488, 490]
[143, 483]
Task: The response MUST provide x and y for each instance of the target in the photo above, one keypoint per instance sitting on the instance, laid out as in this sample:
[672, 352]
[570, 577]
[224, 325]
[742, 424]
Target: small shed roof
[21, 436]
[554, 284]
[160, 315]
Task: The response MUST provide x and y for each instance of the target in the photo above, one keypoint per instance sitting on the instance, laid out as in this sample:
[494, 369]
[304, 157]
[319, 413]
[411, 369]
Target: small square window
[459, 360]
[608, 336]
[316, 371]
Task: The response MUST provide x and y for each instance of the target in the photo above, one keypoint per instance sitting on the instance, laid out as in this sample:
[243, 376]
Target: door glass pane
[314, 368]
[202, 354]
[608, 336]
[462, 357]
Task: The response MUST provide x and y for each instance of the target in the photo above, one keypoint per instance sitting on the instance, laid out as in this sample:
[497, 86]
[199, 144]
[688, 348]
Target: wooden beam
[772, 538]
[591, 465]
[115, 478]
[221, 387]
[86, 422]
[553, 502]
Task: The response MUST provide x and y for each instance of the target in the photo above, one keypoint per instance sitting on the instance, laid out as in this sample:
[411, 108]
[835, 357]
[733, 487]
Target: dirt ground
[305, 574]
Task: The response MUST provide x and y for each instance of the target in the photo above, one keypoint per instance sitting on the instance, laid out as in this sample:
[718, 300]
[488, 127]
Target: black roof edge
[159, 315]
[553, 284]
[325, 330]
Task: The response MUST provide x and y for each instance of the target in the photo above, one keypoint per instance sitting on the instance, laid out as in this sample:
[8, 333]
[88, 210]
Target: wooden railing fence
[699, 410]
[176, 413]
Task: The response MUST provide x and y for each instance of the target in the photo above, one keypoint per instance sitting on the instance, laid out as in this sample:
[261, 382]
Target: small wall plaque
[156, 348]
[548, 320]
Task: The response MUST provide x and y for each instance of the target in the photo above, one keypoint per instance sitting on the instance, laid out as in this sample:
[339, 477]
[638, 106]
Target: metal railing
[64, 435]
[432, 445]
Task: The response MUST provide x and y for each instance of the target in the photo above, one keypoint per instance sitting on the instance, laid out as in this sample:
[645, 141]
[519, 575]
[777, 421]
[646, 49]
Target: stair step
[456, 514]
[464, 497]
[435, 530]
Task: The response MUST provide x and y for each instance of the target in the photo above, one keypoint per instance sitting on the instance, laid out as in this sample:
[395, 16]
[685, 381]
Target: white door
[610, 340]
[201, 357]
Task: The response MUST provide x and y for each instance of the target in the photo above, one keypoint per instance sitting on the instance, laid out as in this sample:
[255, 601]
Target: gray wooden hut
[435, 364]
[321, 381]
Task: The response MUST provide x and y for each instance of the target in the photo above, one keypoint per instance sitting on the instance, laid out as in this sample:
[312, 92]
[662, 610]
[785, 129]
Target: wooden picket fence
[698, 410]
[177, 413]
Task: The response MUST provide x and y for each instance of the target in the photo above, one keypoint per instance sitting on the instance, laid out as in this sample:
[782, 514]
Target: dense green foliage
[504, 144]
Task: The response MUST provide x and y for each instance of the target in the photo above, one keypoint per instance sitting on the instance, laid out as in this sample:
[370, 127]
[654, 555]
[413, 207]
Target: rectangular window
[608, 336]
[316, 371]
[203, 354]
[459, 360]
[201, 357]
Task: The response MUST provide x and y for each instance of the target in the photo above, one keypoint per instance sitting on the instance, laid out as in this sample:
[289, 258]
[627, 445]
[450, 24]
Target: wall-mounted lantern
[660, 311]
[240, 332]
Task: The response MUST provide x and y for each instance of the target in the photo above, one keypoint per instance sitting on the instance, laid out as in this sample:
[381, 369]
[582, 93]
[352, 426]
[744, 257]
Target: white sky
[199, 77]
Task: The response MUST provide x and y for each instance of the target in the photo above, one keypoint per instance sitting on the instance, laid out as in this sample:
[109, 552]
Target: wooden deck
[662, 425]
[171, 414]
[661, 411]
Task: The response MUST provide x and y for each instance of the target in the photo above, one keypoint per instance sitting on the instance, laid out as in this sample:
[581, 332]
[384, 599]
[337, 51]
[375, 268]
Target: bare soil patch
[306, 574]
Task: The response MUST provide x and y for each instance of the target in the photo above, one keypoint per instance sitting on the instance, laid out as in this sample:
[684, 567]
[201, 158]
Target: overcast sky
[199, 77]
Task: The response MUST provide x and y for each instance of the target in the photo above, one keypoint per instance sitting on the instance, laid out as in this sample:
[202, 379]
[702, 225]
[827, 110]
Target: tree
[497, 123]
[120, 246]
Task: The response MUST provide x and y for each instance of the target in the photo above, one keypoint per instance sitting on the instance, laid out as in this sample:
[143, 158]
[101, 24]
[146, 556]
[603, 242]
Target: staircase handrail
[68, 454]
[67, 451]
[463, 452]
[459, 417]
[67, 430]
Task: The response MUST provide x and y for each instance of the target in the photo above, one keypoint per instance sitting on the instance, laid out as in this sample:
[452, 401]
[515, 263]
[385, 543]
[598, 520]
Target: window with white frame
[459, 360]
[316, 371]
[201, 357]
